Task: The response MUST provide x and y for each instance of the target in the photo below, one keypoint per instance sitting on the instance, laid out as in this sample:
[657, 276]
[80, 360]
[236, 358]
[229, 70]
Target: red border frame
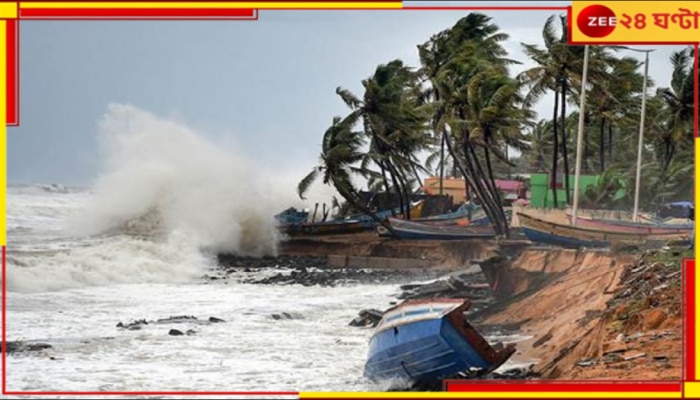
[139, 13]
[12, 71]
[199, 14]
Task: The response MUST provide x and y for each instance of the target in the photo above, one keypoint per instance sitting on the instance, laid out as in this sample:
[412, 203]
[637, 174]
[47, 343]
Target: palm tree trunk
[564, 141]
[419, 181]
[555, 155]
[386, 181]
[354, 200]
[397, 189]
[601, 145]
[464, 165]
[403, 181]
[489, 203]
[610, 142]
[442, 158]
[499, 210]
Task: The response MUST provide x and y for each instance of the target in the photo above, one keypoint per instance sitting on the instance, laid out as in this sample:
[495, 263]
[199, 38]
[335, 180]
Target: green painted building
[541, 193]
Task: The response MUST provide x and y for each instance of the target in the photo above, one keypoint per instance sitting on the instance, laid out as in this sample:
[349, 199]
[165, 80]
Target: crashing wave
[52, 187]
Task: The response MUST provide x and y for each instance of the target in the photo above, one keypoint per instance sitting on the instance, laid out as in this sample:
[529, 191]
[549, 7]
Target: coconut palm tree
[341, 152]
[394, 119]
[559, 69]
[679, 99]
[475, 64]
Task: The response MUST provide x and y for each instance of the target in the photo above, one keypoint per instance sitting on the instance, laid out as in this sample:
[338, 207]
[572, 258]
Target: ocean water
[135, 244]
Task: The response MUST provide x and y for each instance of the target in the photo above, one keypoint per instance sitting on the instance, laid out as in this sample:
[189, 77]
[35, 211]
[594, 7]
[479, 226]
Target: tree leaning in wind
[341, 151]
[393, 118]
[475, 102]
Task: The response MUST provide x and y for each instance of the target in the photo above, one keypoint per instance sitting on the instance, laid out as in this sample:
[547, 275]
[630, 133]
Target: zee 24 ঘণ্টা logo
[598, 21]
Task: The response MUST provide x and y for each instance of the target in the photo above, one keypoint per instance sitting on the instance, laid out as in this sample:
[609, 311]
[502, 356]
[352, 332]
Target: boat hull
[327, 228]
[538, 236]
[630, 227]
[425, 347]
[547, 232]
[421, 231]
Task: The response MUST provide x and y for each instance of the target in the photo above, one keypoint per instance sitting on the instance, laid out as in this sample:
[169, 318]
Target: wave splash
[162, 177]
[167, 200]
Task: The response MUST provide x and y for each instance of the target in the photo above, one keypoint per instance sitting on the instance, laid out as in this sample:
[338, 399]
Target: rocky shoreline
[308, 271]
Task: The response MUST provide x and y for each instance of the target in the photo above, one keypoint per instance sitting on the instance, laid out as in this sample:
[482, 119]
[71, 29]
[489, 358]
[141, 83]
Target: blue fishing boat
[369, 223]
[291, 216]
[424, 341]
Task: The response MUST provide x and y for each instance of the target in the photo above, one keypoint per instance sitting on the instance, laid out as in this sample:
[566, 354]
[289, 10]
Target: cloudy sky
[265, 88]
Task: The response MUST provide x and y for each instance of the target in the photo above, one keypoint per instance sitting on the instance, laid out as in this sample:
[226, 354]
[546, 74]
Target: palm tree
[476, 59]
[394, 119]
[339, 155]
[680, 103]
[540, 138]
[617, 103]
[559, 69]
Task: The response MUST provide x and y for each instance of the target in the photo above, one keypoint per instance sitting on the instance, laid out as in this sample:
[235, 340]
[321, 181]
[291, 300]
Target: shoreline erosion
[578, 314]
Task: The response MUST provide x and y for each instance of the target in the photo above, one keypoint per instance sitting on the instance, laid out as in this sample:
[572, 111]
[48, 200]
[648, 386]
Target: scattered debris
[455, 286]
[586, 363]
[634, 357]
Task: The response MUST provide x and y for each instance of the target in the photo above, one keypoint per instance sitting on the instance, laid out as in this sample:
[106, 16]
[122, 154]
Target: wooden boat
[547, 232]
[369, 223]
[482, 219]
[461, 212]
[629, 227]
[291, 216]
[461, 221]
[421, 231]
[424, 341]
[323, 228]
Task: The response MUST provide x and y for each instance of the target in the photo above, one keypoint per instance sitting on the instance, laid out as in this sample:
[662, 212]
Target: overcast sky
[266, 87]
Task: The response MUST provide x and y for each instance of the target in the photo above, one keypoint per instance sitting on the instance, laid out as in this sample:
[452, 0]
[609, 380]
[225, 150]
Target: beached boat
[421, 231]
[323, 228]
[547, 232]
[482, 219]
[461, 212]
[630, 227]
[424, 341]
[291, 216]
[369, 223]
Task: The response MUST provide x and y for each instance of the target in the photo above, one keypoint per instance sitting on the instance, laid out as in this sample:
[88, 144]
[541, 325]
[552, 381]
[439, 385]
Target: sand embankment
[575, 305]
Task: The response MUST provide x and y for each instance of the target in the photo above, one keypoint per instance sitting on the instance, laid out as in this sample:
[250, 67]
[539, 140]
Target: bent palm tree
[340, 152]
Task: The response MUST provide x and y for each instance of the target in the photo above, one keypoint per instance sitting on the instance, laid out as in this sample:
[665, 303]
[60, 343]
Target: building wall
[541, 194]
[453, 187]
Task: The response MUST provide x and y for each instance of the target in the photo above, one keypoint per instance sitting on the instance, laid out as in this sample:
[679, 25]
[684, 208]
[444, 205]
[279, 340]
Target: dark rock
[19, 346]
[311, 271]
[175, 332]
[133, 326]
[369, 317]
[469, 286]
[286, 315]
[177, 319]
[215, 320]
